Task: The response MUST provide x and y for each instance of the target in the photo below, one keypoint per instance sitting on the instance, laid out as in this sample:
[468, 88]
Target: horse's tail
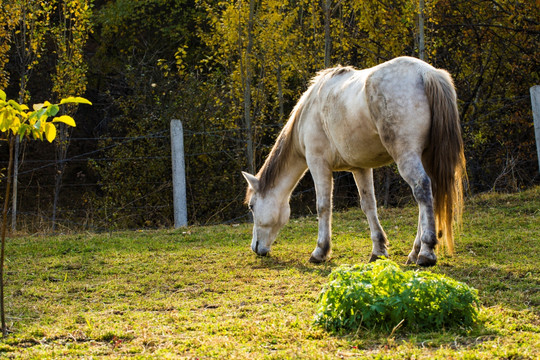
[444, 158]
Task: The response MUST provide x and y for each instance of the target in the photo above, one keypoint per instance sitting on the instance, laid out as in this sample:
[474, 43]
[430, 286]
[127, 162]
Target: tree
[491, 50]
[7, 23]
[148, 75]
[16, 120]
[28, 23]
[154, 60]
[70, 34]
[256, 61]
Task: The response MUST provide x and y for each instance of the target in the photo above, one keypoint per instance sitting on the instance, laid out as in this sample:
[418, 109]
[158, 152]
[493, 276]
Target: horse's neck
[289, 177]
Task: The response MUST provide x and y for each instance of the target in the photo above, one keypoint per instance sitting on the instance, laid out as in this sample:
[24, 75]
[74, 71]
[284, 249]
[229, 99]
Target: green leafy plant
[381, 295]
[18, 120]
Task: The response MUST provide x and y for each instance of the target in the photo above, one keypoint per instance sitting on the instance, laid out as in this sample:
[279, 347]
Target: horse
[403, 110]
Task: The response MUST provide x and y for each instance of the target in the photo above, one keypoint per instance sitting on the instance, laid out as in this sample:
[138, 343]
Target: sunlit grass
[202, 293]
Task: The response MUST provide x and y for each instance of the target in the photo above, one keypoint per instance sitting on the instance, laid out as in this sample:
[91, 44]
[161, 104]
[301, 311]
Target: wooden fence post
[535, 101]
[179, 174]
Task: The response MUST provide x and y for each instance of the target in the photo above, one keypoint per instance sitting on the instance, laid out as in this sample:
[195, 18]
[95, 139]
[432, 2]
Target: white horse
[403, 110]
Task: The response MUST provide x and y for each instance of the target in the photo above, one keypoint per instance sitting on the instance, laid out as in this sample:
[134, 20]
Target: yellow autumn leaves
[20, 120]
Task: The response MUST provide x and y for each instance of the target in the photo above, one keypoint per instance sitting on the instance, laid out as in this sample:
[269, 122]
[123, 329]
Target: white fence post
[535, 101]
[179, 174]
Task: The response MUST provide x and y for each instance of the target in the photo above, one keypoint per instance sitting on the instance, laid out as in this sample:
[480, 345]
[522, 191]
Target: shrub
[381, 295]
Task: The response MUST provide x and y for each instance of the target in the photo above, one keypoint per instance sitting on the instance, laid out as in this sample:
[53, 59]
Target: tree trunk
[57, 185]
[3, 245]
[280, 93]
[387, 179]
[15, 185]
[421, 45]
[22, 91]
[247, 91]
[327, 34]
[61, 144]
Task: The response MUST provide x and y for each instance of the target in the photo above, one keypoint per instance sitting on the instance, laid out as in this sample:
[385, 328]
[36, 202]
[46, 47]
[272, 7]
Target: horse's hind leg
[411, 169]
[413, 255]
[364, 182]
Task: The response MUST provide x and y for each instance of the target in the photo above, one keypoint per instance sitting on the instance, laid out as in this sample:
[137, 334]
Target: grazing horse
[403, 110]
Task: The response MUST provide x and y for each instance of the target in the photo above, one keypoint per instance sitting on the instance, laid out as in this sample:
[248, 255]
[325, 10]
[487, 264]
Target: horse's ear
[252, 181]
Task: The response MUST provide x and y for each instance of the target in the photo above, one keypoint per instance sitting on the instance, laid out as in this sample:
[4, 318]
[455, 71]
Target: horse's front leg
[322, 177]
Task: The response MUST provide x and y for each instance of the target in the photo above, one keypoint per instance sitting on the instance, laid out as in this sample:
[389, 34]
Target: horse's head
[270, 213]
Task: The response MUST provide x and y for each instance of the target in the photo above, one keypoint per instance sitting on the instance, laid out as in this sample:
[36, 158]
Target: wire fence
[126, 182]
[91, 199]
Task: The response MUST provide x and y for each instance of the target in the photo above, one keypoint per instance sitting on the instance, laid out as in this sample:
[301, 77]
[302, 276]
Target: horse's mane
[278, 158]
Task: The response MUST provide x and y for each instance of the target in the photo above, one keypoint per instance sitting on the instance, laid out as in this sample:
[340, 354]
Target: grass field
[201, 292]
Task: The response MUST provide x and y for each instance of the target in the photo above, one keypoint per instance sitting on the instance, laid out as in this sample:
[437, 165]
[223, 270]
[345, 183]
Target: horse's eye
[250, 207]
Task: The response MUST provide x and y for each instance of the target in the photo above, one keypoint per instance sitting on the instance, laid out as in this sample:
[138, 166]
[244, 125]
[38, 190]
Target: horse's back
[363, 118]
[336, 122]
[398, 104]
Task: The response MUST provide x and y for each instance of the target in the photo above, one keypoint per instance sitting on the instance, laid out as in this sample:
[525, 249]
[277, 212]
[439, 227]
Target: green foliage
[381, 295]
[17, 119]
[70, 35]
[491, 51]
[149, 85]
[150, 61]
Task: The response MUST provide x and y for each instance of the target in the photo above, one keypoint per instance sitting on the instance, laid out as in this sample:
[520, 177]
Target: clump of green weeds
[382, 295]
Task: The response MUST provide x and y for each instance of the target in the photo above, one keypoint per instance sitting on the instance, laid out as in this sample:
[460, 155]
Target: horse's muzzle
[260, 250]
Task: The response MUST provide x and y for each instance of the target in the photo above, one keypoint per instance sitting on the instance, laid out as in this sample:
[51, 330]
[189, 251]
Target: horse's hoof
[426, 261]
[374, 257]
[411, 259]
[319, 255]
[318, 260]
[314, 260]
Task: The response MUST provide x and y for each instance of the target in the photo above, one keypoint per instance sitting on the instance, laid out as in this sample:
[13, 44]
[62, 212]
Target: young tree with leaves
[18, 121]
[28, 23]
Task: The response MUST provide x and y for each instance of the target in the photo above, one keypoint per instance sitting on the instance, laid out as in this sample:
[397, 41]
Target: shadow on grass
[452, 338]
[276, 263]
[514, 288]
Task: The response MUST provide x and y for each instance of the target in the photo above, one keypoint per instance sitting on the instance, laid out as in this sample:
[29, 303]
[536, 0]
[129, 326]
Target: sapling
[17, 120]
